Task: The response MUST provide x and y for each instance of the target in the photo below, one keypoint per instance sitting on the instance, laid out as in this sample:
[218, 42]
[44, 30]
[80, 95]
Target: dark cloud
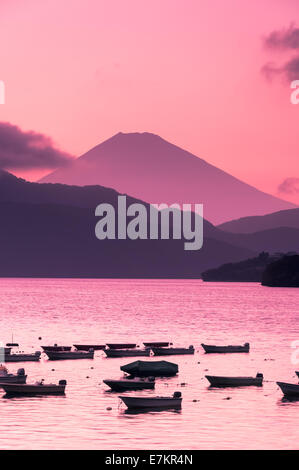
[28, 150]
[286, 40]
[290, 70]
[283, 39]
[289, 186]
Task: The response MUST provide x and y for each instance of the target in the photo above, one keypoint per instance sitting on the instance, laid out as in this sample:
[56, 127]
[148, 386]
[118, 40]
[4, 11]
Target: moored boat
[226, 349]
[127, 352]
[56, 348]
[153, 402]
[289, 390]
[39, 388]
[18, 378]
[151, 368]
[157, 344]
[219, 381]
[87, 347]
[172, 351]
[62, 355]
[121, 345]
[21, 357]
[130, 384]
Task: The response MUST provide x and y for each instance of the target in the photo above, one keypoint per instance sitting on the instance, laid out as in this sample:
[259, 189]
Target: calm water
[185, 312]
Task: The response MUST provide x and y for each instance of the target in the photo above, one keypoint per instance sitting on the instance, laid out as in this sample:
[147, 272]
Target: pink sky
[188, 70]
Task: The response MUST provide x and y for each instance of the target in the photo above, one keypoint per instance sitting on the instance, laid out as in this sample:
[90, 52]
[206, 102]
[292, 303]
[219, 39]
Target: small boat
[151, 368]
[21, 357]
[127, 352]
[218, 381]
[172, 351]
[130, 384]
[153, 402]
[39, 388]
[18, 378]
[226, 349]
[297, 373]
[157, 344]
[61, 355]
[87, 347]
[289, 390]
[121, 345]
[56, 348]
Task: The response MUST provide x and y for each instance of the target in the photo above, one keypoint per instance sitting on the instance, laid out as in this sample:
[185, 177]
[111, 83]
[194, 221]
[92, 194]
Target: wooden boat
[289, 390]
[39, 388]
[62, 355]
[157, 344]
[130, 384]
[297, 373]
[18, 378]
[127, 352]
[153, 402]
[21, 357]
[172, 351]
[87, 347]
[121, 345]
[226, 349]
[218, 381]
[56, 348]
[151, 368]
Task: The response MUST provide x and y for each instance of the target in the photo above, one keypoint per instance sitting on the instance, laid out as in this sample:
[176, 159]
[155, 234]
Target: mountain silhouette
[53, 225]
[151, 169]
[287, 218]
[48, 230]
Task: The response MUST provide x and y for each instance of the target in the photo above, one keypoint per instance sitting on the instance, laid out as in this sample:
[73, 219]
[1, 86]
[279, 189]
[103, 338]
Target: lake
[67, 311]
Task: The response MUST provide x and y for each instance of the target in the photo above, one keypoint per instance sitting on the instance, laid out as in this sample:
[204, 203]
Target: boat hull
[121, 345]
[217, 381]
[152, 403]
[27, 389]
[87, 347]
[172, 351]
[150, 368]
[210, 349]
[123, 385]
[22, 357]
[157, 344]
[127, 352]
[64, 355]
[289, 390]
[13, 379]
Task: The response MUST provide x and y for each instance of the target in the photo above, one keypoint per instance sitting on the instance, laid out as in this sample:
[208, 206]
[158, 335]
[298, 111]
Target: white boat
[39, 388]
[62, 355]
[209, 348]
[219, 381]
[18, 378]
[21, 357]
[127, 352]
[289, 390]
[153, 402]
[172, 351]
[130, 384]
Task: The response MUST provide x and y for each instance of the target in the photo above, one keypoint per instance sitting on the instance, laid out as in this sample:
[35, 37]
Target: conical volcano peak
[151, 169]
